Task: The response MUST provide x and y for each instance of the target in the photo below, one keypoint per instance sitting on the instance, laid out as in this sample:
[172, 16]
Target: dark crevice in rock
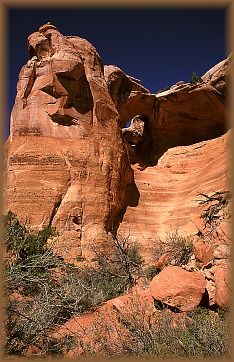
[32, 51]
[78, 91]
[82, 100]
[50, 89]
[77, 220]
[187, 137]
[139, 138]
[63, 119]
[214, 307]
[55, 209]
[162, 306]
[205, 300]
[132, 195]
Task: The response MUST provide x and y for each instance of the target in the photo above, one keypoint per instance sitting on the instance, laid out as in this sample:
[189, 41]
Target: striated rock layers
[71, 162]
[67, 164]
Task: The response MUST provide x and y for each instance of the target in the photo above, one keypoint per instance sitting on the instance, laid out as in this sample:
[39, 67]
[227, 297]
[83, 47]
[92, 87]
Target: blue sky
[158, 46]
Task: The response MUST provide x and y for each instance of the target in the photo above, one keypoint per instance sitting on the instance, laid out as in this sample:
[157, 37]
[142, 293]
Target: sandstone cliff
[66, 162]
[71, 162]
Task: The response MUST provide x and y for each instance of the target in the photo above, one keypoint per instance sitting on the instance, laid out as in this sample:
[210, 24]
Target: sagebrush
[42, 291]
[200, 333]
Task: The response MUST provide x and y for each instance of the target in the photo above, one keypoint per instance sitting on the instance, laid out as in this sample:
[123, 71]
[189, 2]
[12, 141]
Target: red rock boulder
[203, 251]
[222, 277]
[178, 288]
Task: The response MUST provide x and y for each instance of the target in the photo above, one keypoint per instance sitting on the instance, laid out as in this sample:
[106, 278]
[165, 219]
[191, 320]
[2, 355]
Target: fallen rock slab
[203, 251]
[178, 288]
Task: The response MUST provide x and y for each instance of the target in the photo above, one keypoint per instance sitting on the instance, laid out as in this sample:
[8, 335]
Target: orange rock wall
[70, 161]
[169, 190]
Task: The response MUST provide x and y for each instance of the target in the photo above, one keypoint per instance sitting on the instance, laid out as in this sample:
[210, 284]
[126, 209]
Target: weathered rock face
[71, 162]
[174, 161]
[222, 278]
[66, 162]
[172, 186]
[219, 77]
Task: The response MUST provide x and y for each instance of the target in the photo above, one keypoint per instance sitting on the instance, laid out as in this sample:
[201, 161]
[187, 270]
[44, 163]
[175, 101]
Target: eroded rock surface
[222, 278]
[66, 163]
[72, 162]
[169, 192]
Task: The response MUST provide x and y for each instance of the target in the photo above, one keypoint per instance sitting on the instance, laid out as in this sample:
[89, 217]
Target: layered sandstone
[169, 191]
[72, 162]
[66, 163]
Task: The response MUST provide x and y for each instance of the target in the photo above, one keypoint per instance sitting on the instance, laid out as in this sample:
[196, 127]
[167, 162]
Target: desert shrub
[30, 289]
[216, 215]
[204, 334]
[197, 334]
[42, 291]
[88, 287]
[178, 248]
[217, 209]
[150, 272]
[209, 333]
[123, 261]
[21, 242]
[195, 79]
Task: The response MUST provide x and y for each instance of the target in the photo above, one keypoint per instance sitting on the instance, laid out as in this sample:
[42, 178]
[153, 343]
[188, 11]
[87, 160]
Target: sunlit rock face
[72, 161]
[169, 191]
[66, 162]
[179, 146]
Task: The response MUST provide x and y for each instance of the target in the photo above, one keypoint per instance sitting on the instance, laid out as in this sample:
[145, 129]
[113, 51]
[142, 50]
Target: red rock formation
[68, 164]
[169, 190]
[219, 77]
[178, 288]
[222, 278]
[107, 321]
[186, 126]
[203, 251]
[72, 162]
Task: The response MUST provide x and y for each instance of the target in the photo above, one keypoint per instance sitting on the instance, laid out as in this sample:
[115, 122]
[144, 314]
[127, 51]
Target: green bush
[123, 261]
[28, 277]
[195, 79]
[48, 292]
[200, 333]
[42, 292]
[20, 241]
[150, 272]
[178, 248]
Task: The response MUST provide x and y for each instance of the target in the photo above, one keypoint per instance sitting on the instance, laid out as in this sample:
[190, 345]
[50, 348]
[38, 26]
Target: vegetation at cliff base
[42, 292]
[200, 333]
